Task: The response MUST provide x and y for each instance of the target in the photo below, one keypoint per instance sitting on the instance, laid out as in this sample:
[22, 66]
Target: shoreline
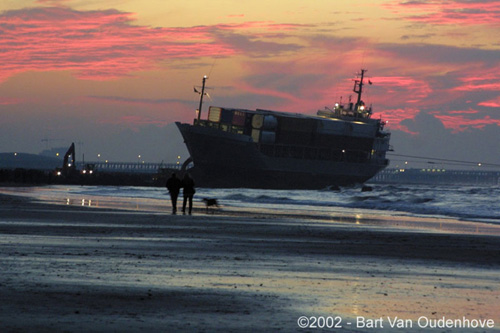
[397, 220]
[77, 268]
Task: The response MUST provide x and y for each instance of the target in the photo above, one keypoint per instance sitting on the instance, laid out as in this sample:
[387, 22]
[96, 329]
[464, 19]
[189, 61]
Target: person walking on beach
[188, 192]
[174, 186]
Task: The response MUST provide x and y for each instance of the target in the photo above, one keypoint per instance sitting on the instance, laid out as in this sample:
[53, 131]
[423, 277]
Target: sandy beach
[86, 269]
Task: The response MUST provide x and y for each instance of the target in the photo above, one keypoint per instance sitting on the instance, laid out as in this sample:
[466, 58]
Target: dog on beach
[210, 202]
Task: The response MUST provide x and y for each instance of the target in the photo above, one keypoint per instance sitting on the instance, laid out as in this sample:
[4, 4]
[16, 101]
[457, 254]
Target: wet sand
[81, 269]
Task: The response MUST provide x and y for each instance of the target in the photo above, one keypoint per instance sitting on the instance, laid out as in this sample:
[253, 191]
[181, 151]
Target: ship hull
[229, 160]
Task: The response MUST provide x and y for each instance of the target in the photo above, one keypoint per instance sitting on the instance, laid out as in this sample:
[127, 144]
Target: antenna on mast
[358, 85]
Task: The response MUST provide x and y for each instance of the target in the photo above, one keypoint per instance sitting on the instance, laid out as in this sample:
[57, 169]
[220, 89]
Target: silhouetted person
[188, 192]
[174, 186]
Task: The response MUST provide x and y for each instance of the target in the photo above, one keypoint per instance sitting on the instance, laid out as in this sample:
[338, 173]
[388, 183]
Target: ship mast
[358, 86]
[201, 96]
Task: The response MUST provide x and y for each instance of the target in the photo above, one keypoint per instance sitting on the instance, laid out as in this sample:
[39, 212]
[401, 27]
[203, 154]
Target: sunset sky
[113, 75]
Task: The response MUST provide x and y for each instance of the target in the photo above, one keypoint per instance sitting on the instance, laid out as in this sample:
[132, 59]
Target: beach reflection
[243, 264]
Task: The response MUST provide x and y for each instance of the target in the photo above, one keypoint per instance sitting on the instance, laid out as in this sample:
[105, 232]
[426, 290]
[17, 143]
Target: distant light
[57, 154]
[15, 154]
[362, 108]
[58, 173]
[91, 171]
[69, 164]
[336, 105]
[84, 171]
[343, 150]
[479, 164]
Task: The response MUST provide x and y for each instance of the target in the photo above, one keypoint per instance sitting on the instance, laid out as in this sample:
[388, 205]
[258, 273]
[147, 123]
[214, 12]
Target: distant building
[29, 161]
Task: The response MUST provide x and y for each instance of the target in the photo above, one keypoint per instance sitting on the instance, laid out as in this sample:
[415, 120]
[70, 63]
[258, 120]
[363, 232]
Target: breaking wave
[466, 202]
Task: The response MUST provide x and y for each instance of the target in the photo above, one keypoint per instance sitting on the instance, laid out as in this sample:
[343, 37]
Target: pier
[437, 176]
[128, 167]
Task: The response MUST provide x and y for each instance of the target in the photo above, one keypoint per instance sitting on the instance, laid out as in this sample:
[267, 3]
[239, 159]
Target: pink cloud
[495, 86]
[94, 44]
[442, 12]
[408, 88]
[494, 103]
[106, 44]
[464, 112]
[395, 117]
[458, 122]
[480, 80]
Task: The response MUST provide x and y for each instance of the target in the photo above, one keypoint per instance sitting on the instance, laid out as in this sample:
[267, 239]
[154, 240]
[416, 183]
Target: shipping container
[257, 121]
[239, 118]
[256, 135]
[214, 114]
[270, 123]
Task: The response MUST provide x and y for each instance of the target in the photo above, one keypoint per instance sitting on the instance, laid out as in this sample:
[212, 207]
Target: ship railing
[320, 153]
[225, 127]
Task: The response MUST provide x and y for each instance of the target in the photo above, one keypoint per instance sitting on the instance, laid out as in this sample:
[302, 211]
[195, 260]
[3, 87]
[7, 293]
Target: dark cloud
[436, 141]
[448, 12]
[441, 53]
[253, 46]
[130, 100]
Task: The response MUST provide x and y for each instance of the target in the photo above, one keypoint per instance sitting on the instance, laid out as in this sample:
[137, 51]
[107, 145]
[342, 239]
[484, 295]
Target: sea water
[472, 203]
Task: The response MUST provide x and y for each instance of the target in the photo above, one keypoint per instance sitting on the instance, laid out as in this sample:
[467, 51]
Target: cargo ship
[339, 146]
